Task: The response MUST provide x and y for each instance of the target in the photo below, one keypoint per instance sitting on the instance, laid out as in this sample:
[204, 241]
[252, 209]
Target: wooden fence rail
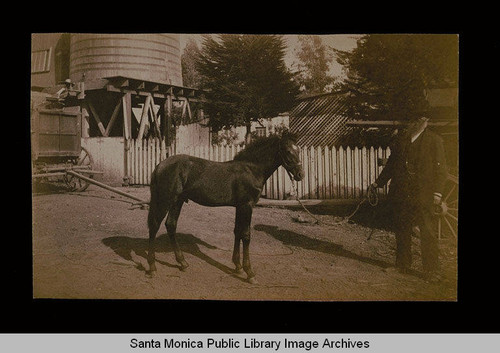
[330, 173]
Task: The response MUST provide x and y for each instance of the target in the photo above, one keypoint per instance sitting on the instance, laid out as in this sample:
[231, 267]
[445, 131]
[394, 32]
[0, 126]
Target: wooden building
[127, 87]
[319, 120]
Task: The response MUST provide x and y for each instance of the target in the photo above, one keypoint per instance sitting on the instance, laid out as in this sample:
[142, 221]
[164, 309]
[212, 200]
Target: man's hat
[419, 114]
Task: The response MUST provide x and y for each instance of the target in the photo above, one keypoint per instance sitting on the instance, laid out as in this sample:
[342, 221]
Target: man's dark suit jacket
[430, 171]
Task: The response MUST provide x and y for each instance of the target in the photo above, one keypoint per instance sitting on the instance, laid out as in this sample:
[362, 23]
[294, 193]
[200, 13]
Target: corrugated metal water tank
[150, 57]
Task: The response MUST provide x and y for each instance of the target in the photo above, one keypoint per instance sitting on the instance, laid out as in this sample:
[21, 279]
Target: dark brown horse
[236, 183]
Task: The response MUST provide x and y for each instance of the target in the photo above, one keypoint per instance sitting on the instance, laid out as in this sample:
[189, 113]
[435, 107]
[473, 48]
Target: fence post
[334, 175]
[365, 171]
[305, 165]
[312, 173]
[350, 178]
[327, 171]
[341, 172]
[373, 165]
[356, 173]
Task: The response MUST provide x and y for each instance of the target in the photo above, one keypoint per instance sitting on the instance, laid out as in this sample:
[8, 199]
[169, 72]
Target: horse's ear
[285, 134]
[288, 135]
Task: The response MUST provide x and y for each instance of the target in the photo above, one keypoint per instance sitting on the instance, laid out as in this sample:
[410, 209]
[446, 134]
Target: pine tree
[313, 65]
[387, 74]
[245, 78]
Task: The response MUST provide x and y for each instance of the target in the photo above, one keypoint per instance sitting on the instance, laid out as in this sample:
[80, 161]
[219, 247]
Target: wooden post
[184, 103]
[365, 169]
[168, 123]
[356, 173]
[190, 116]
[154, 117]
[328, 174]
[144, 117]
[127, 115]
[85, 120]
[320, 171]
[342, 173]
[313, 175]
[112, 120]
[349, 179]
[96, 118]
[307, 189]
[335, 174]
[127, 134]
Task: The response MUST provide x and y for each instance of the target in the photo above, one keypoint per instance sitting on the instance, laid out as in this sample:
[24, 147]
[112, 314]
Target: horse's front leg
[242, 229]
[236, 252]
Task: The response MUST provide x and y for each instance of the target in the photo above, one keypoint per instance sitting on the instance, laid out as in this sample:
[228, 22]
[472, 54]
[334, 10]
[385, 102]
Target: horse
[236, 183]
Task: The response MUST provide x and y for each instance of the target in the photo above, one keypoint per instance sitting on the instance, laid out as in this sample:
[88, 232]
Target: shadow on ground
[124, 246]
[46, 187]
[290, 238]
[378, 217]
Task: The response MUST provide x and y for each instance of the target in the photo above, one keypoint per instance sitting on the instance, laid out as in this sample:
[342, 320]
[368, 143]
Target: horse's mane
[262, 147]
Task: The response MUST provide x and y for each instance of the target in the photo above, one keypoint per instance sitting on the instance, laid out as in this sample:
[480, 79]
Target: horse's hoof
[150, 274]
[184, 265]
[239, 271]
[252, 280]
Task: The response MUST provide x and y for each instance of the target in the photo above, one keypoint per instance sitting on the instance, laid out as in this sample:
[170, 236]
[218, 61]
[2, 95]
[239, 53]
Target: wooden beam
[184, 103]
[96, 118]
[161, 93]
[178, 91]
[144, 117]
[127, 115]
[113, 118]
[190, 116]
[155, 118]
[168, 123]
[124, 83]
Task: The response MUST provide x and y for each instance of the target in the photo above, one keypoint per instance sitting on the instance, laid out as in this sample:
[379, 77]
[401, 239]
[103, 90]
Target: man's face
[418, 124]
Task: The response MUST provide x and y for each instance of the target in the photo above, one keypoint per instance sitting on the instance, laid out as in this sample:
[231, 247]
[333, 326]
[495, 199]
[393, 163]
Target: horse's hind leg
[154, 222]
[242, 227]
[171, 224]
[236, 251]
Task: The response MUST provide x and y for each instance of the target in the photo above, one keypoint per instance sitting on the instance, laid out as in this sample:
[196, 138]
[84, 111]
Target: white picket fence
[330, 173]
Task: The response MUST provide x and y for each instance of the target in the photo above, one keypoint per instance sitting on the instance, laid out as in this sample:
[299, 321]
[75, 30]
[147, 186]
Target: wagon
[57, 153]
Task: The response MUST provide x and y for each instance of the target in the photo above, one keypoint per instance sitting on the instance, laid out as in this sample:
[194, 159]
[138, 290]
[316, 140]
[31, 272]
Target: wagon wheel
[75, 183]
[448, 212]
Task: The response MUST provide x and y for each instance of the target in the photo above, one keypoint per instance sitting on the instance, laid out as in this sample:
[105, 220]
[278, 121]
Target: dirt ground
[93, 244]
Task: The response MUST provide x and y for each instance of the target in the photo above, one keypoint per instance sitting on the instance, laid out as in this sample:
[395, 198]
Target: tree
[190, 75]
[313, 65]
[245, 78]
[387, 74]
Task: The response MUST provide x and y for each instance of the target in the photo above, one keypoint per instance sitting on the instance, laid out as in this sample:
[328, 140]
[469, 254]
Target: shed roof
[320, 120]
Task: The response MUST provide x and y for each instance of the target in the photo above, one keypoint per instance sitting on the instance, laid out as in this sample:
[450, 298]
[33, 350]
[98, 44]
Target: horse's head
[290, 158]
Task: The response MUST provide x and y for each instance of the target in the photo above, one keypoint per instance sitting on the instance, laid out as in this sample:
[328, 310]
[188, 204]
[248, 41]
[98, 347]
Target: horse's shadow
[124, 246]
[288, 237]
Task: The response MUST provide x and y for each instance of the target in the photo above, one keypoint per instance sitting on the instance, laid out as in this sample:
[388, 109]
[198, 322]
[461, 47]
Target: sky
[337, 41]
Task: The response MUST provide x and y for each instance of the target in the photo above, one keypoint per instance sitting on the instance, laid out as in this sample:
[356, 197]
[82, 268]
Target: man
[417, 170]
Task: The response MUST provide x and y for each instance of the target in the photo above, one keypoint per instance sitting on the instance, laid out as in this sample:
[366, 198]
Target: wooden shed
[127, 87]
[319, 120]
